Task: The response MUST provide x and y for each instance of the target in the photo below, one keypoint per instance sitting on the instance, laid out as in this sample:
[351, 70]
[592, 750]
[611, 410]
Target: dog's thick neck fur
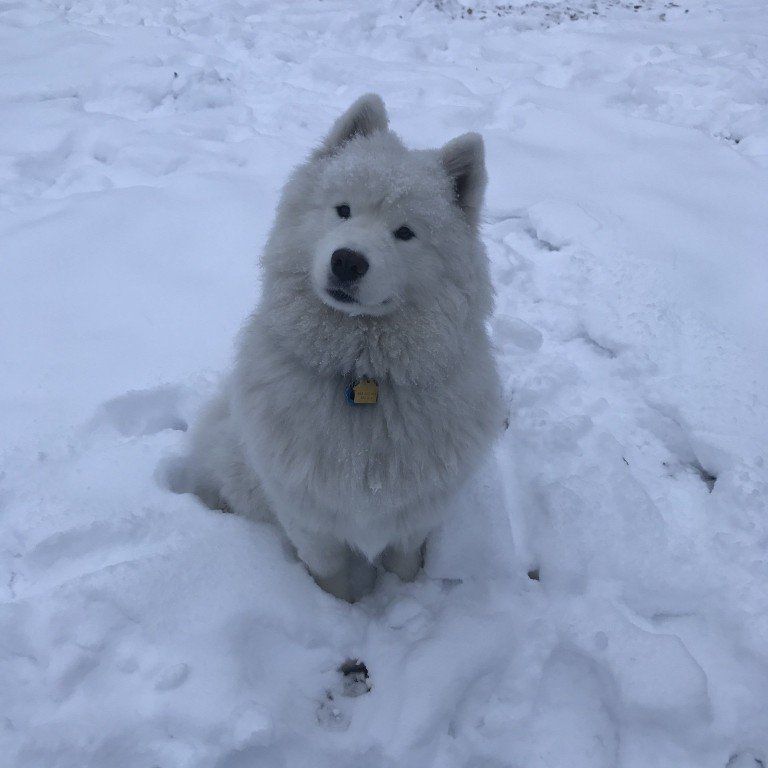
[410, 347]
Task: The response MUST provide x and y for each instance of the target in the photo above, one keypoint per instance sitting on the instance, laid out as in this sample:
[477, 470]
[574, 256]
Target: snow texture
[142, 148]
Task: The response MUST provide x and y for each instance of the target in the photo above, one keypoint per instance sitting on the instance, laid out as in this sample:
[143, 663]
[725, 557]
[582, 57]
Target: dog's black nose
[348, 265]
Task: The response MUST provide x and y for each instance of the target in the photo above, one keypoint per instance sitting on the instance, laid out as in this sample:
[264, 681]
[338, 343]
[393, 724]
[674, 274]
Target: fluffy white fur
[358, 486]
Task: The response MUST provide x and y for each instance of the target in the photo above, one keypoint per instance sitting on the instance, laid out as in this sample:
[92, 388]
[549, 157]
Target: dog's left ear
[463, 159]
[366, 116]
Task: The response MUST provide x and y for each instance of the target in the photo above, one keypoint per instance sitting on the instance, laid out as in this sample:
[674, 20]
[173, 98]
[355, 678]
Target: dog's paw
[354, 579]
[349, 584]
[404, 564]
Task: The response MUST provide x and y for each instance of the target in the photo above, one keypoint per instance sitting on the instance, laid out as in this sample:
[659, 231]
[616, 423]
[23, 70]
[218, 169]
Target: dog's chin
[345, 302]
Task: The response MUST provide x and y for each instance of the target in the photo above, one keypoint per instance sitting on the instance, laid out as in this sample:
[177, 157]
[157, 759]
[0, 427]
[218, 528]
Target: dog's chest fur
[304, 438]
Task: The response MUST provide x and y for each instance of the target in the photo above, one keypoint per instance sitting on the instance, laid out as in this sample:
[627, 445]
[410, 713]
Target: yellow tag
[366, 392]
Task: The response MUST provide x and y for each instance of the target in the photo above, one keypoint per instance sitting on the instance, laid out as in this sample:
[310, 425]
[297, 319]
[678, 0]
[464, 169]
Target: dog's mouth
[339, 295]
[347, 302]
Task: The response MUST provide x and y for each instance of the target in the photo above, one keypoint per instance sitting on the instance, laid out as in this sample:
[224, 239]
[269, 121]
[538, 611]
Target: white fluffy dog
[364, 391]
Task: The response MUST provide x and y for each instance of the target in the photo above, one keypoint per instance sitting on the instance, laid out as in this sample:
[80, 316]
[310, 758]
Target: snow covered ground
[142, 147]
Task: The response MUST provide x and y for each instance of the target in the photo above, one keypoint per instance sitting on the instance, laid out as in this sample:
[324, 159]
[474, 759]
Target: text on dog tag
[366, 392]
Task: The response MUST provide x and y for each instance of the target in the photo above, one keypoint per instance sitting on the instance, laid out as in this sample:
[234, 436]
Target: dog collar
[363, 391]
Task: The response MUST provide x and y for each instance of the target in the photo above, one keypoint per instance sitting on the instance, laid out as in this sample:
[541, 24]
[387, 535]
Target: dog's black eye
[404, 233]
[343, 211]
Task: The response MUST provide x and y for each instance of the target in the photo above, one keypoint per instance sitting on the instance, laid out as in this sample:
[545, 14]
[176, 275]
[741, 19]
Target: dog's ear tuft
[366, 116]
[463, 159]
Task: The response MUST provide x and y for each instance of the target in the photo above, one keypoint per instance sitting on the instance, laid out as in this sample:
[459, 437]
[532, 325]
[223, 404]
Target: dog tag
[363, 392]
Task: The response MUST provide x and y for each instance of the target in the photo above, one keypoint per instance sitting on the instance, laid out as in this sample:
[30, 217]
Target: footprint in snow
[356, 681]
[672, 431]
[143, 412]
[333, 711]
[172, 677]
[746, 759]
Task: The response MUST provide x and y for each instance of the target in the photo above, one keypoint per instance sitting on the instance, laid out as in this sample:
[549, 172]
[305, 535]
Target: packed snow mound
[597, 597]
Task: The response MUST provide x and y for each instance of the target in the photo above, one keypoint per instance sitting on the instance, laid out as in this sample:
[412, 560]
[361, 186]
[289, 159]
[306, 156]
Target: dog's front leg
[403, 561]
[335, 567]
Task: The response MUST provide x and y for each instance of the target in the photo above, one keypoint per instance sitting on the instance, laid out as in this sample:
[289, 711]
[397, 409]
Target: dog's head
[378, 229]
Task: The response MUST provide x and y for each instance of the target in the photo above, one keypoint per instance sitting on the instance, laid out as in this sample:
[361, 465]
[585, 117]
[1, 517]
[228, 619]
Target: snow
[142, 149]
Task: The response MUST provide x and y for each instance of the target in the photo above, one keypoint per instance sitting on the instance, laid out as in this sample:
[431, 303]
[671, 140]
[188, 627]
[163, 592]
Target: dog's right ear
[366, 116]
